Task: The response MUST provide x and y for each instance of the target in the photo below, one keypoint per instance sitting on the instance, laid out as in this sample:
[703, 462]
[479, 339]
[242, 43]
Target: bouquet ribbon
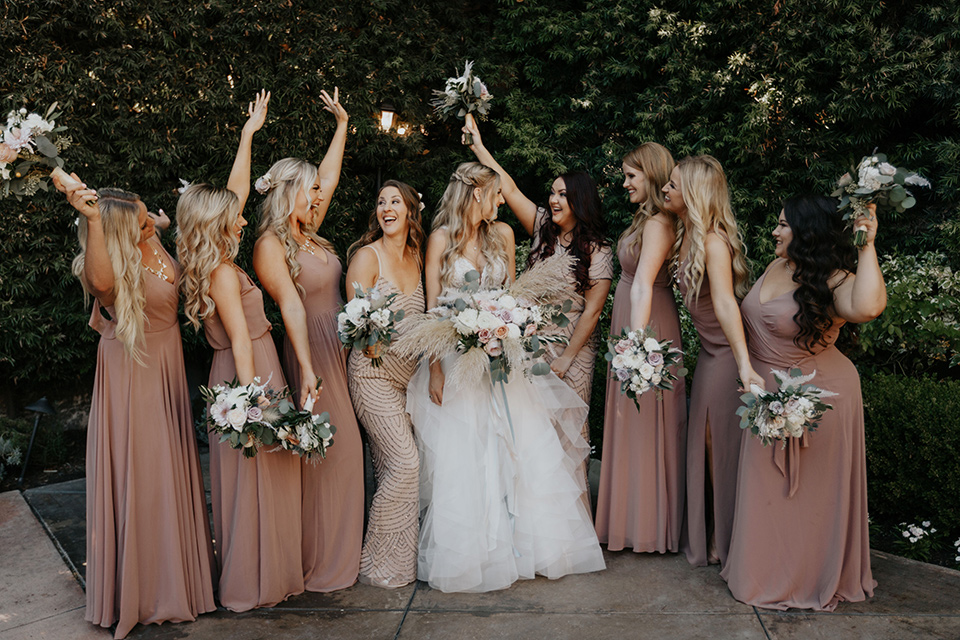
[787, 460]
[509, 483]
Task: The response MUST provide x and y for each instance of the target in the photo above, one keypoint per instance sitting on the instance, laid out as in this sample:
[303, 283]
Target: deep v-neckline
[760, 283]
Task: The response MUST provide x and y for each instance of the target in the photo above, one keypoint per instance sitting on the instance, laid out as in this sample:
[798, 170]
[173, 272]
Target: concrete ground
[637, 596]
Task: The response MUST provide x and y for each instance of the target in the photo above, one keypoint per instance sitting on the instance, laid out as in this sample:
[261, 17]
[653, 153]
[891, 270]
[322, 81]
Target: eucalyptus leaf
[46, 147]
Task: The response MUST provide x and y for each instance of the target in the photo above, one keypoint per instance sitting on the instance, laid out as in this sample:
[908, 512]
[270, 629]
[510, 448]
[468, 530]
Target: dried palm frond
[546, 281]
[429, 335]
[469, 369]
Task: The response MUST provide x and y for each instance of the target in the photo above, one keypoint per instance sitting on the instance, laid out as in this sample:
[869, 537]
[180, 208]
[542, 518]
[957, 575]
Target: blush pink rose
[501, 331]
[484, 335]
[493, 348]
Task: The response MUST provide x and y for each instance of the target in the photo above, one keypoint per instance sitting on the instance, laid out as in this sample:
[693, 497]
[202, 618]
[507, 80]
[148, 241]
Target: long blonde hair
[416, 238]
[656, 163]
[288, 177]
[452, 214]
[120, 219]
[205, 219]
[704, 188]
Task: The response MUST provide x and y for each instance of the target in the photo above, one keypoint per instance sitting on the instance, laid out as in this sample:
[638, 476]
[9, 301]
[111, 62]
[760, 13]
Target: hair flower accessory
[184, 185]
[422, 206]
[264, 183]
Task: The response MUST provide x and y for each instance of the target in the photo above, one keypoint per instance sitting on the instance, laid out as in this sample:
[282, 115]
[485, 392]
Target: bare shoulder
[224, 278]
[505, 230]
[268, 243]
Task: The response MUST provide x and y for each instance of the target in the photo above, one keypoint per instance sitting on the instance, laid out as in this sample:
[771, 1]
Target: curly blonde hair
[205, 239]
[120, 219]
[452, 214]
[704, 187]
[416, 237]
[289, 177]
[656, 163]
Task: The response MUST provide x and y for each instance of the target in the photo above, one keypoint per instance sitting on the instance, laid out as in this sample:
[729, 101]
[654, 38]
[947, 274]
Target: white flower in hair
[184, 185]
[422, 206]
[264, 183]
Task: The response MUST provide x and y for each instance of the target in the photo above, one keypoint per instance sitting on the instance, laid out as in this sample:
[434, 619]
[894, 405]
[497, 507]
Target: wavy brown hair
[820, 247]
[589, 233]
[416, 238]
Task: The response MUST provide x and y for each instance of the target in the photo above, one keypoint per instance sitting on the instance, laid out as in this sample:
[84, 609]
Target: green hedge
[913, 449]
[783, 95]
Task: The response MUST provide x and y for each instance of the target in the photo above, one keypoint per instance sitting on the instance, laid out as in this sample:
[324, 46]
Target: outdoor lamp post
[40, 407]
[386, 116]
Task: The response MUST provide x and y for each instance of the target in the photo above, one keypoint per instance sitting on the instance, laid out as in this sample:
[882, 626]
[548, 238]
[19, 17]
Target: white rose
[465, 322]
[617, 362]
[656, 378]
[645, 370]
[380, 318]
[356, 308]
[513, 331]
[887, 169]
[486, 320]
[507, 301]
[237, 417]
[650, 344]
[520, 315]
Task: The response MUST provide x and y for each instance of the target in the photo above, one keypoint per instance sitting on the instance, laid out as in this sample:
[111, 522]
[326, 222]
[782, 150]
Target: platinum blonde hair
[452, 213]
[120, 219]
[289, 177]
[656, 163]
[704, 187]
[205, 239]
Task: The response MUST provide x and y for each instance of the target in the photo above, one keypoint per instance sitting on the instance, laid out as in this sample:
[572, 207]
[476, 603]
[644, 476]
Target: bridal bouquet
[368, 323]
[878, 182]
[463, 95]
[640, 362]
[303, 433]
[243, 415]
[494, 330]
[793, 409]
[33, 143]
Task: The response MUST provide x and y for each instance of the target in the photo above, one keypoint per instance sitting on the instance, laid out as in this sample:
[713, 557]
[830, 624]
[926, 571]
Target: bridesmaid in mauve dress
[389, 256]
[800, 535]
[149, 558]
[256, 502]
[574, 225]
[300, 270]
[713, 277]
[640, 504]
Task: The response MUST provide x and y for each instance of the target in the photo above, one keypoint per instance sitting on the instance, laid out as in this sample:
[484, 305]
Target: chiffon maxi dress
[389, 555]
[149, 557]
[333, 487]
[256, 501]
[640, 503]
[800, 533]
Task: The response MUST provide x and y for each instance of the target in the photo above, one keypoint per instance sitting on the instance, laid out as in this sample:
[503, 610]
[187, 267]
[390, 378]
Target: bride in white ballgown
[499, 497]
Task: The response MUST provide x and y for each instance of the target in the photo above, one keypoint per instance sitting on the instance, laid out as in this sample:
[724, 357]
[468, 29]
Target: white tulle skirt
[499, 486]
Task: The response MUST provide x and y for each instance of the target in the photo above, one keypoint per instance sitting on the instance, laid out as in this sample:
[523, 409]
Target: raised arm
[720, 275]
[239, 181]
[270, 264]
[522, 206]
[656, 243]
[329, 172]
[225, 291]
[98, 276]
[862, 296]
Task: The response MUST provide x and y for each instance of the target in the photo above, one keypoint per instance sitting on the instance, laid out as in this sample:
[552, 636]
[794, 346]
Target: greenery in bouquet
[243, 415]
[30, 151]
[877, 182]
[368, 323]
[302, 432]
[640, 362]
[795, 408]
[462, 95]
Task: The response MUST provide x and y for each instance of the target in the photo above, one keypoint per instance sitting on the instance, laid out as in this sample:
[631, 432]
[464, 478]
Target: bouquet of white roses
[793, 409]
[30, 152]
[303, 433]
[640, 362]
[462, 95]
[368, 323]
[878, 182]
[243, 415]
[505, 328]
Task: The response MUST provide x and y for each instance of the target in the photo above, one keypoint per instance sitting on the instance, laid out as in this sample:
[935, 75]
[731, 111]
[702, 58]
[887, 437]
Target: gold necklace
[163, 267]
[306, 246]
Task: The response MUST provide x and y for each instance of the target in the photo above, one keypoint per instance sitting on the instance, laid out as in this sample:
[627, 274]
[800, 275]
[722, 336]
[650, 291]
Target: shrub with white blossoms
[243, 415]
[302, 432]
[795, 408]
[368, 323]
[30, 151]
[462, 95]
[956, 545]
[505, 328]
[917, 542]
[878, 182]
[640, 362]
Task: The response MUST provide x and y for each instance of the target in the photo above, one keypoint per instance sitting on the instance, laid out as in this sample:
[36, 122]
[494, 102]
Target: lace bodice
[493, 276]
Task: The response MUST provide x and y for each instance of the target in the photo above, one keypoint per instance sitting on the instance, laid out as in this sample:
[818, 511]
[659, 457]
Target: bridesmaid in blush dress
[149, 558]
[256, 502]
[800, 535]
[301, 271]
[640, 505]
[389, 256]
[713, 277]
[574, 225]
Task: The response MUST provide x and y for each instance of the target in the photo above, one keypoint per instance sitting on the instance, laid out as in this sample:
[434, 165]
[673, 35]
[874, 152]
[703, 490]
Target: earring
[478, 198]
